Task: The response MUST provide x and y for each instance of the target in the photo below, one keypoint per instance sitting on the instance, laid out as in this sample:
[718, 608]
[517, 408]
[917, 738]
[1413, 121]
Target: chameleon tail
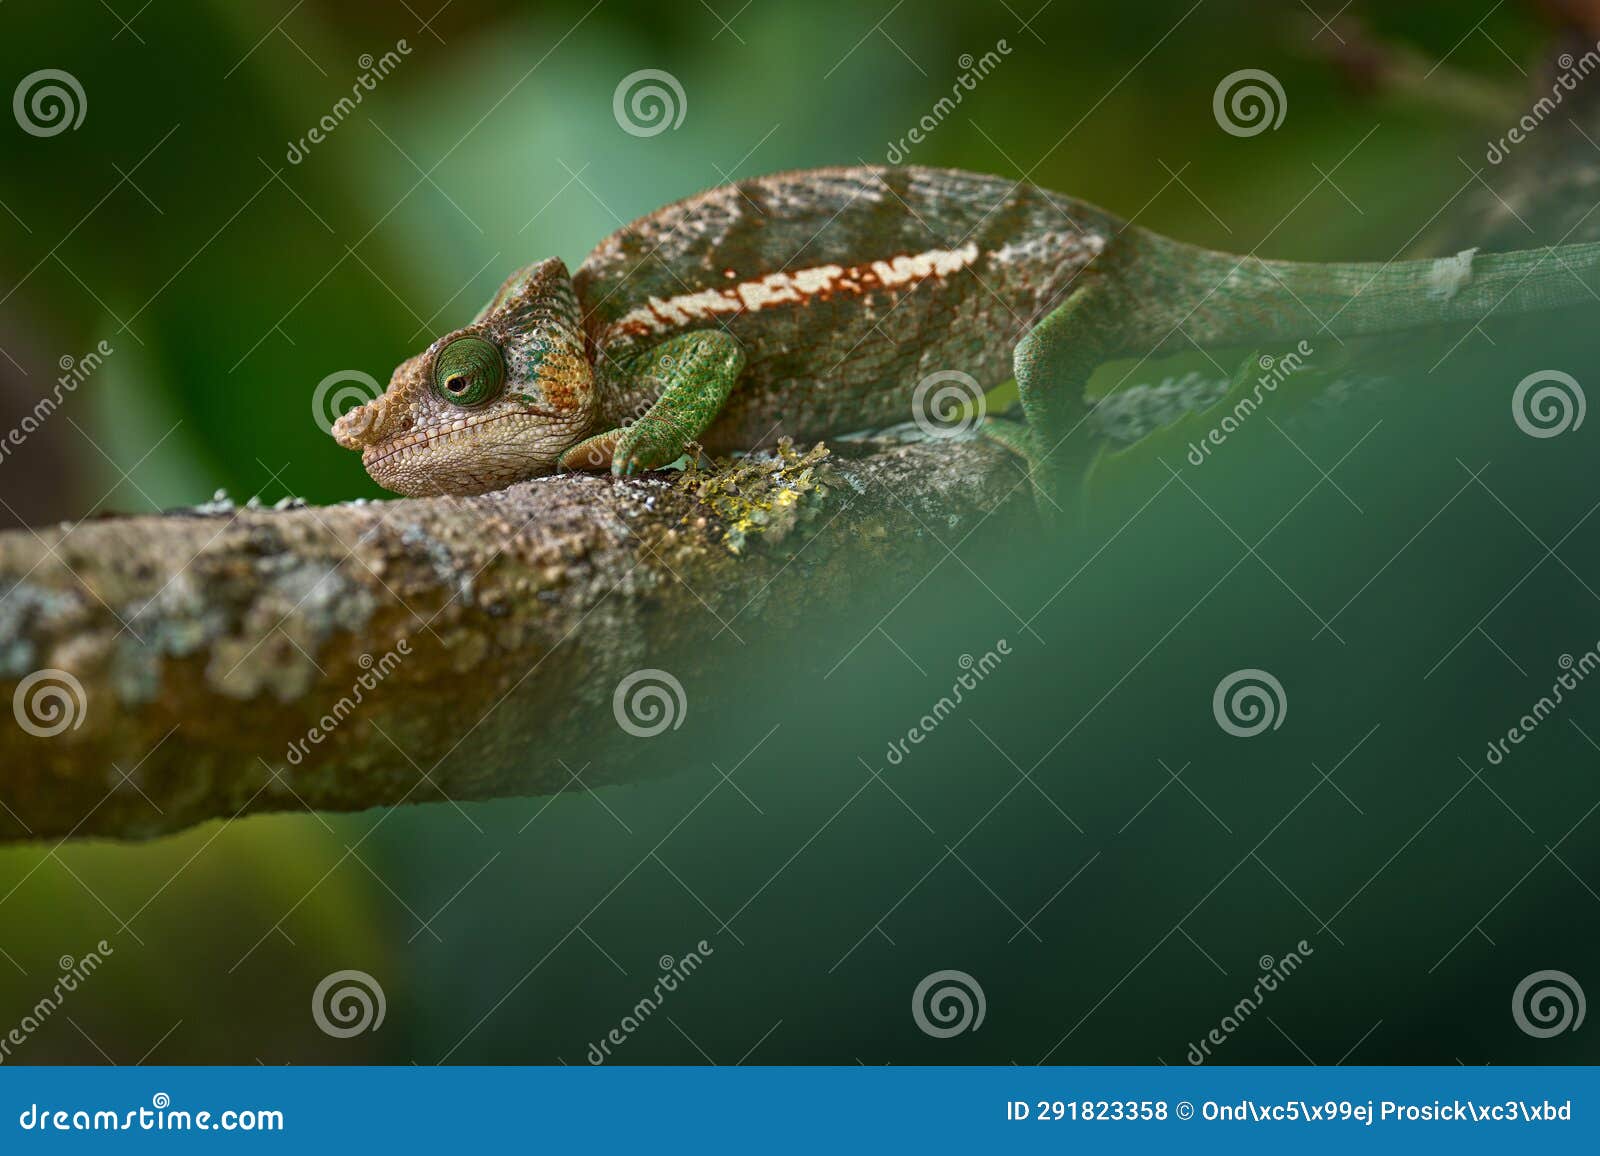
[1187, 293]
[1152, 296]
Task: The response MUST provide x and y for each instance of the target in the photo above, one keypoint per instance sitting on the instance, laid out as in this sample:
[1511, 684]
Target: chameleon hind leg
[1053, 363]
[696, 372]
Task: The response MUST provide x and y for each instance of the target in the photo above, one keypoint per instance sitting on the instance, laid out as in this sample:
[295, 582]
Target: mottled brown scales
[846, 354]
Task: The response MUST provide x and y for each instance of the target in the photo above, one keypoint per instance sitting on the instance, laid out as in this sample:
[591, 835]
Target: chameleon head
[487, 405]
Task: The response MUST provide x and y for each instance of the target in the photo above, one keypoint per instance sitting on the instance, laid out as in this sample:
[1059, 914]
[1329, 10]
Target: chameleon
[812, 303]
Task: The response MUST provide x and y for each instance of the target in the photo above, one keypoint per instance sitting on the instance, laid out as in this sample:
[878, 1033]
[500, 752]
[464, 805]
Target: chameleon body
[845, 288]
[812, 303]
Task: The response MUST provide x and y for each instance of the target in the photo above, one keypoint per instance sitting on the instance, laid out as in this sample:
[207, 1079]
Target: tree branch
[244, 660]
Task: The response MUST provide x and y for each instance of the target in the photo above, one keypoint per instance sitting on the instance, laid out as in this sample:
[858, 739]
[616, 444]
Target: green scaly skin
[691, 376]
[810, 304]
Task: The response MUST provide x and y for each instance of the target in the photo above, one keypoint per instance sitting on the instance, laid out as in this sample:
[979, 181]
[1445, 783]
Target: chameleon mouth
[420, 439]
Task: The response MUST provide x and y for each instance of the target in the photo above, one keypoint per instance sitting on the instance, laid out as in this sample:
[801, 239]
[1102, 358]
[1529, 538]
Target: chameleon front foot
[626, 451]
[592, 453]
[691, 375]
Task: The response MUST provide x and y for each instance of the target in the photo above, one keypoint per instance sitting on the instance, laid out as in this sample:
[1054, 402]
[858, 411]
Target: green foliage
[232, 278]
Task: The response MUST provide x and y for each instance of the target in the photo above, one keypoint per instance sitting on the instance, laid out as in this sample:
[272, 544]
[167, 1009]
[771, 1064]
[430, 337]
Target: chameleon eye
[469, 371]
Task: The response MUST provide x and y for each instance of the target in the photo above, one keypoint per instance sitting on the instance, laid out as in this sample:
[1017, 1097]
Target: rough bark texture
[212, 645]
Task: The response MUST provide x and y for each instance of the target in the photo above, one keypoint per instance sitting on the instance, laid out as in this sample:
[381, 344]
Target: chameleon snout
[362, 426]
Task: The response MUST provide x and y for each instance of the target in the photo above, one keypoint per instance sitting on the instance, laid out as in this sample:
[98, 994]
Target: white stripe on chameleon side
[660, 315]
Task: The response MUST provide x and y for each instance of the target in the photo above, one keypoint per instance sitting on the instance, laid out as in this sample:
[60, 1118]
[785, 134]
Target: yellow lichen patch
[761, 496]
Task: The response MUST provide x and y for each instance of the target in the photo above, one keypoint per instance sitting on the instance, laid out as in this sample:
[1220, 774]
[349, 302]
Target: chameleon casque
[809, 304]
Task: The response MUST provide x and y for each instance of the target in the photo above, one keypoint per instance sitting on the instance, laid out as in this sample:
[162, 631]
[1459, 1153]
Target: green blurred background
[230, 281]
